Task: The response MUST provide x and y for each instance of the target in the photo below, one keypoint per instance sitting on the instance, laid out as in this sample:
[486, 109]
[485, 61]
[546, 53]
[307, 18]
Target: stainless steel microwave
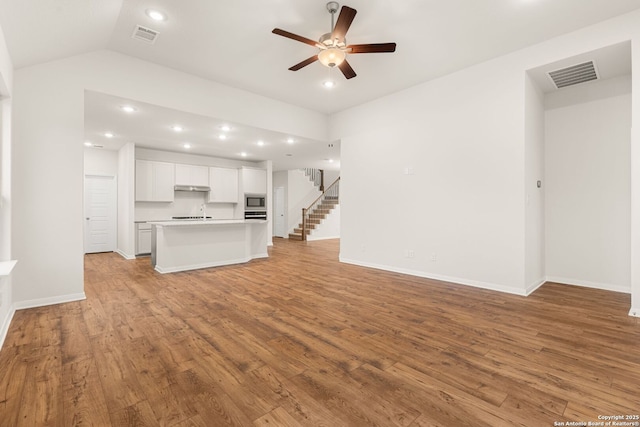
[255, 202]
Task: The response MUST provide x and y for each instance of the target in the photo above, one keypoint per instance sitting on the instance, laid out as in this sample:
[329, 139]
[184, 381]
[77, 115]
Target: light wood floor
[300, 339]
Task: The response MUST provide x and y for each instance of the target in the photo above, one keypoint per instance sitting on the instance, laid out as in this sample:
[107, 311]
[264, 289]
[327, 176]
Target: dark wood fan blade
[304, 63]
[347, 70]
[289, 35]
[372, 47]
[344, 22]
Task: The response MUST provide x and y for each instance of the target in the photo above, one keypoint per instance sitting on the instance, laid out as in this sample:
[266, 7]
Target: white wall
[100, 162]
[635, 181]
[588, 222]
[6, 92]
[460, 208]
[48, 157]
[126, 210]
[462, 211]
[534, 197]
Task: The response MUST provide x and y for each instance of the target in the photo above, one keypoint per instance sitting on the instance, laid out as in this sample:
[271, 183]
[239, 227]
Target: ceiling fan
[333, 45]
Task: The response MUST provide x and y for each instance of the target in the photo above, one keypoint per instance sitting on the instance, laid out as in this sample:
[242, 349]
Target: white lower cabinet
[143, 239]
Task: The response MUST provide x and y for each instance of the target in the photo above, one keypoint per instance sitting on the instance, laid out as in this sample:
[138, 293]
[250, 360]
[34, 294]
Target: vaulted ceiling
[231, 41]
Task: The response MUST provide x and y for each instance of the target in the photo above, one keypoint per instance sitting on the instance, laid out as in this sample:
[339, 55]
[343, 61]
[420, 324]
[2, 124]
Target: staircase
[314, 216]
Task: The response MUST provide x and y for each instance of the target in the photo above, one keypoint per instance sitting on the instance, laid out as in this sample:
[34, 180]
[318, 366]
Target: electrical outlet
[434, 257]
[409, 253]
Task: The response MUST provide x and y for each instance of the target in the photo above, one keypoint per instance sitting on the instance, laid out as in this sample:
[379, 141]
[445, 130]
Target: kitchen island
[193, 244]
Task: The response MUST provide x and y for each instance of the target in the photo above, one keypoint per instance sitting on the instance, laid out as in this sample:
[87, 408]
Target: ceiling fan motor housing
[326, 40]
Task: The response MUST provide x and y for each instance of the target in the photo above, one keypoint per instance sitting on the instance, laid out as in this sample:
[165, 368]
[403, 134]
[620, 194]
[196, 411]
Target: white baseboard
[534, 286]
[209, 264]
[456, 280]
[635, 312]
[311, 239]
[124, 255]
[587, 284]
[41, 302]
[4, 327]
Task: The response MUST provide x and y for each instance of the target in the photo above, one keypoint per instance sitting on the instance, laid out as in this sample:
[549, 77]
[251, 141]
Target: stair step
[299, 231]
[326, 206]
[309, 226]
[294, 236]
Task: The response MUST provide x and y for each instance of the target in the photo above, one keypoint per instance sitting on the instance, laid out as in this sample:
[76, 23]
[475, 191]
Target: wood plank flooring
[301, 340]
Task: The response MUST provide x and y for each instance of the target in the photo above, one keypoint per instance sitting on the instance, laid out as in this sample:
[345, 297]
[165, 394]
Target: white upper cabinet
[254, 181]
[154, 181]
[224, 185]
[192, 175]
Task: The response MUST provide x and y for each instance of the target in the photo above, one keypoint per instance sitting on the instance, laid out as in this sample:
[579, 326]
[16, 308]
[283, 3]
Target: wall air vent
[145, 34]
[574, 74]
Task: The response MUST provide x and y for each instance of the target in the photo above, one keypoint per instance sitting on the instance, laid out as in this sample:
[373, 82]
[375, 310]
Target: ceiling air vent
[145, 34]
[574, 75]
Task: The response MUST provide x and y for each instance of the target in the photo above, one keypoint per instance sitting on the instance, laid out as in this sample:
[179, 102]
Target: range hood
[191, 188]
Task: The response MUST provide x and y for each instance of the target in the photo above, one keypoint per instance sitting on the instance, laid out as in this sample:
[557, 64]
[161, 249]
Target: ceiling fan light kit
[333, 47]
[331, 57]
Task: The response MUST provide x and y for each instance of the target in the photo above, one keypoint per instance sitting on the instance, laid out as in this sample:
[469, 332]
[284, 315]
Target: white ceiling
[231, 41]
[150, 126]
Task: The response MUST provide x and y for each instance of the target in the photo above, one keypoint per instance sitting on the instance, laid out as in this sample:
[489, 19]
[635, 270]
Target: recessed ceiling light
[290, 140]
[222, 136]
[88, 144]
[330, 160]
[328, 84]
[109, 134]
[289, 155]
[128, 108]
[243, 154]
[177, 128]
[225, 128]
[261, 143]
[186, 145]
[156, 15]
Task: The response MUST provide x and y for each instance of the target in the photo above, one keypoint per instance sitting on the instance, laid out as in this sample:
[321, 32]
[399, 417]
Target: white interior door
[100, 207]
[280, 230]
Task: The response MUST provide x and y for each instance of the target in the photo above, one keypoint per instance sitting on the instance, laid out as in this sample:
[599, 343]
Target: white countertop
[181, 223]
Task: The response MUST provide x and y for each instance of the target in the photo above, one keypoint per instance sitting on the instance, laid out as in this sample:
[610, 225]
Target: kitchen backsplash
[185, 204]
